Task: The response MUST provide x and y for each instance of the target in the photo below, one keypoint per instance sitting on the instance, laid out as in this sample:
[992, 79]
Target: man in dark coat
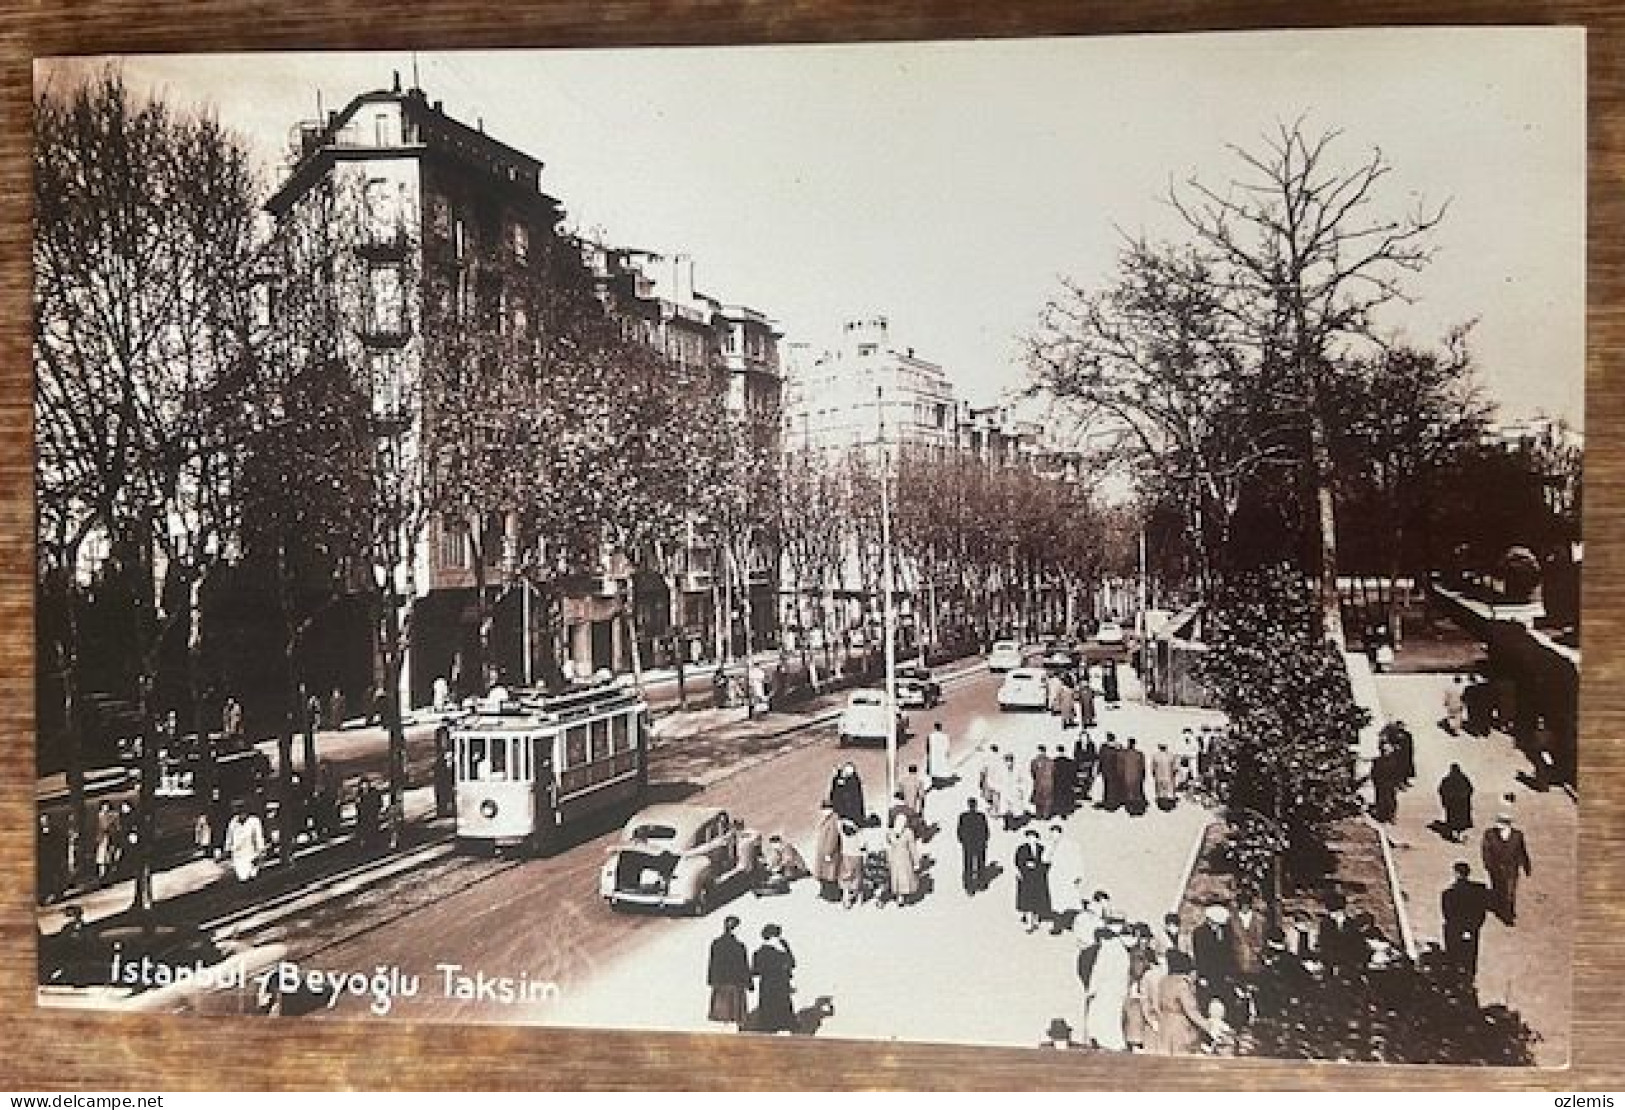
[1131, 768]
[1213, 951]
[1505, 856]
[1456, 795]
[1111, 773]
[1086, 702]
[1464, 905]
[1108, 681]
[1066, 782]
[773, 965]
[973, 836]
[729, 977]
[1342, 947]
[1385, 776]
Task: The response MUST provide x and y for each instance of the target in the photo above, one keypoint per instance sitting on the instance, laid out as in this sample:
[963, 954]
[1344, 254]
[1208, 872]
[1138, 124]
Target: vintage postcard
[1066, 543]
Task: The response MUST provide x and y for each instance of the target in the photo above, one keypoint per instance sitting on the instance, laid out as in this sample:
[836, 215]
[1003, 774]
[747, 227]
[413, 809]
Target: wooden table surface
[57, 1049]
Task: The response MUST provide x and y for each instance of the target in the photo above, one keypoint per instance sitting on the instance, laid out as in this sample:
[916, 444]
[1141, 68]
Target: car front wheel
[702, 900]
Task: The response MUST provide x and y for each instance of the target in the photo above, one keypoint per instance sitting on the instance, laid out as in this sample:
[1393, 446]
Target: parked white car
[1110, 632]
[1024, 688]
[1005, 656]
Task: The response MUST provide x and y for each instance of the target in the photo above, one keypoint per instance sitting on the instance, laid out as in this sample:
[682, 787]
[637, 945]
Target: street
[541, 920]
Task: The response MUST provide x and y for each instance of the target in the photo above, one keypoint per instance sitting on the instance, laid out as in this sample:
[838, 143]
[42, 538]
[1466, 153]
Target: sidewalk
[950, 969]
[1527, 968]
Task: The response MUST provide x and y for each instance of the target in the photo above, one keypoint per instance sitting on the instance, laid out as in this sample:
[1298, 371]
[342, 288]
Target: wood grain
[54, 1049]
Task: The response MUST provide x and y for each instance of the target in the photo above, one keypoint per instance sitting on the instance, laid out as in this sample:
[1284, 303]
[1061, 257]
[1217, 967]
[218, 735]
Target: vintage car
[1005, 656]
[1110, 633]
[916, 688]
[1024, 688]
[685, 857]
[864, 719]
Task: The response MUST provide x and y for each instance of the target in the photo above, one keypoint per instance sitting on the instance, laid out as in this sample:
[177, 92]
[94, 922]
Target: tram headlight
[488, 808]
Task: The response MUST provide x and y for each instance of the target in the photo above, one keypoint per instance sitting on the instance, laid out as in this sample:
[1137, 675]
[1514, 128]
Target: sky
[951, 186]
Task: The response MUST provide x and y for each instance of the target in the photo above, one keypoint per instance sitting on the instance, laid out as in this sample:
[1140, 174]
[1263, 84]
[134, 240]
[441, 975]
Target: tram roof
[540, 709]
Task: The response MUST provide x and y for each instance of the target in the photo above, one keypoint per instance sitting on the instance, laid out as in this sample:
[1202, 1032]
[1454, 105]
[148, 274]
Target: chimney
[396, 86]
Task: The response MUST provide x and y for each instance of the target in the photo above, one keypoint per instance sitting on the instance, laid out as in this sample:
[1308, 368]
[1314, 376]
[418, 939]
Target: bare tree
[143, 256]
[1303, 266]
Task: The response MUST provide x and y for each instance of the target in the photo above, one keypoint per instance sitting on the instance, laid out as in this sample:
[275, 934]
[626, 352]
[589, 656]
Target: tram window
[575, 746]
[600, 739]
[473, 758]
[499, 758]
[619, 734]
[521, 760]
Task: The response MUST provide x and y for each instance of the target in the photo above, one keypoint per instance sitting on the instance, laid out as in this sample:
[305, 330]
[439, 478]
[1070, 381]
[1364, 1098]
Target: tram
[529, 767]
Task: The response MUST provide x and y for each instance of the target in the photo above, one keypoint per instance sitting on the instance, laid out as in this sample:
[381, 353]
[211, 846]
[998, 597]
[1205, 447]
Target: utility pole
[889, 618]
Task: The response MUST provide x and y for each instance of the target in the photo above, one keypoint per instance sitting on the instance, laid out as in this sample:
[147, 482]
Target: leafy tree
[1284, 768]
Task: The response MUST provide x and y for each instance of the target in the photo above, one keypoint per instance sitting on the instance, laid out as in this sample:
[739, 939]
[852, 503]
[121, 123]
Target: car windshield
[654, 832]
[1005, 645]
[866, 698]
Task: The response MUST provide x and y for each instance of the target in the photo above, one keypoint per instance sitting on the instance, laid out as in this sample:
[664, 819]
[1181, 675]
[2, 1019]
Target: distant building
[838, 401]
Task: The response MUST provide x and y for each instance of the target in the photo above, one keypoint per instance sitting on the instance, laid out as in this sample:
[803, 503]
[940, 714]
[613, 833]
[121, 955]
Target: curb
[1400, 910]
[1191, 861]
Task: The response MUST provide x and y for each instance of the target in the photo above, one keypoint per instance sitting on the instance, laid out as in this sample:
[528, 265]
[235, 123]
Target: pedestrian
[827, 852]
[773, 966]
[937, 764]
[368, 811]
[202, 835]
[728, 974]
[51, 848]
[1455, 706]
[1131, 764]
[1086, 703]
[442, 698]
[1111, 773]
[1505, 855]
[851, 872]
[109, 841]
[231, 721]
[846, 794]
[973, 836]
[1032, 881]
[1385, 776]
[1108, 682]
[1456, 795]
[1247, 934]
[903, 859]
[1181, 1025]
[1464, 905]
[991, 781]
[1065, 770]
[1213, 954]
[1066, 704]
[1404, 753]
[1163, 778]
[1014, 791]
[1168, 940]
[1341, 946]
[1143, 971]
[1108, 994]
[780, 866]
[244, 842]
[1067, 892]
[335, 709]
[913, 789]
[1043, 773]
[1086, 755]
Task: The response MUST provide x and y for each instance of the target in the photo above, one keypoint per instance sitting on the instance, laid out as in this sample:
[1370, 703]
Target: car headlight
[488, 808]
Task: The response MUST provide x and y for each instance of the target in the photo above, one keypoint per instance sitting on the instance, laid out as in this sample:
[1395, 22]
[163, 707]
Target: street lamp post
[888, 614]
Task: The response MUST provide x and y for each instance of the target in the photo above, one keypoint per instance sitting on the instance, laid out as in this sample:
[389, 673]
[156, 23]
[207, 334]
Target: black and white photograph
[1068, 543]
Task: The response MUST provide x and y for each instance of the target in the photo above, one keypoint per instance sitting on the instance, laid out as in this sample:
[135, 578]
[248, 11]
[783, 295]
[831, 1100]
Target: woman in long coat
[827, 852]
[773, 966]
[1108, 996]
[1032, 881]
[1181, 1026]
[903, 857]
[1456, 795]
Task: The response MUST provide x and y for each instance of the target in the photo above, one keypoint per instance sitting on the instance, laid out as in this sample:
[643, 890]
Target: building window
[388, 383]
[386, 304]
[521, 243]
[459, 237]
[383, 210]
[439, 217]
